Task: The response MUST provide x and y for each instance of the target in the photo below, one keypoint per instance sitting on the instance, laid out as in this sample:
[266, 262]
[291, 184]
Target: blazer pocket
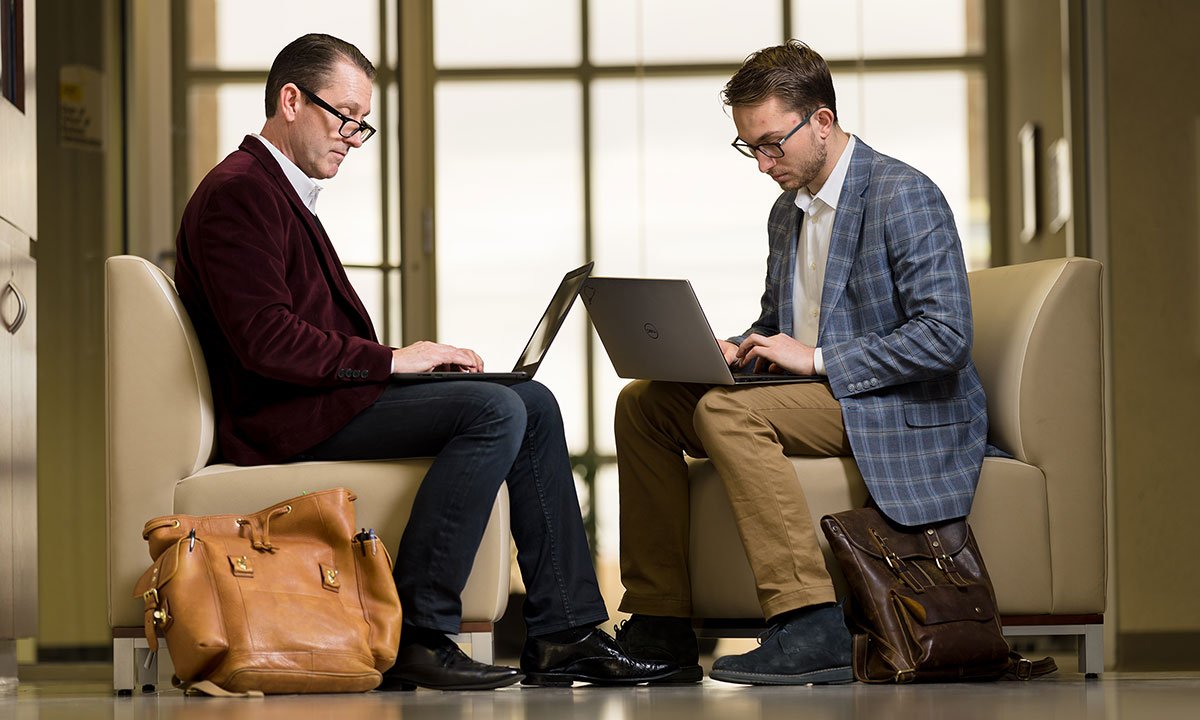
[931, 413]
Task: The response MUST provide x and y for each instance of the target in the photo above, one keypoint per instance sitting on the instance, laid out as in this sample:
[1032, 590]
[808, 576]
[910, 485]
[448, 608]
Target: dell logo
[651, 331]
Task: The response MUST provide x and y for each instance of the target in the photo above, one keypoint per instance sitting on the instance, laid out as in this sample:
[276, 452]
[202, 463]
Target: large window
[597, 132]
[563, 132]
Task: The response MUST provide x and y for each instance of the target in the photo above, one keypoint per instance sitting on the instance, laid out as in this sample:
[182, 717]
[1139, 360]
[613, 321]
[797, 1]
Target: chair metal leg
[1091, 651]
[125, 673]
[135, 668]
[1091, 642]
[479, 645]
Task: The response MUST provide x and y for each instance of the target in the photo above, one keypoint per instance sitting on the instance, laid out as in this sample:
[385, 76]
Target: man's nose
[765, 162]
[355, 140]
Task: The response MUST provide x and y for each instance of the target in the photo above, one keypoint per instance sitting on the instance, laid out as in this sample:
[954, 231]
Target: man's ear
[289, 101]
[825, 120]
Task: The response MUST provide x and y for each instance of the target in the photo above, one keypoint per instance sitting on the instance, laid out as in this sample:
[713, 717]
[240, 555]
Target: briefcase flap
[947, 538]
[939, 604]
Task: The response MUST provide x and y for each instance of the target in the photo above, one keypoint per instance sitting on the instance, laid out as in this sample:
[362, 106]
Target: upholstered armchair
[160, 461]
[1039, 517]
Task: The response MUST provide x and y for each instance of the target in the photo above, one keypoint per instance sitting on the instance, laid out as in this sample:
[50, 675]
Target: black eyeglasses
[350, 127]
[772, 149]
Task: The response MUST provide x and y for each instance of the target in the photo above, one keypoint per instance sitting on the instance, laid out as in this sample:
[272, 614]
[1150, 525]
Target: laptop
[656, 330]
[535, 350]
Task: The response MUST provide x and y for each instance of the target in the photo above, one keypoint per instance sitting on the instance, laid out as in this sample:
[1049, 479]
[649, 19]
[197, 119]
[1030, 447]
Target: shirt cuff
[818, 362]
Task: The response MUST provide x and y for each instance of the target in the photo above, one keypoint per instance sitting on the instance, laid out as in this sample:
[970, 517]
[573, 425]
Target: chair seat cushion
[1009, 519]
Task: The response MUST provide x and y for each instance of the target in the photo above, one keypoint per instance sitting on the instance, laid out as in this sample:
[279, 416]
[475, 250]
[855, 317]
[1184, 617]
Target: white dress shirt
[306, 187]
[812, 253]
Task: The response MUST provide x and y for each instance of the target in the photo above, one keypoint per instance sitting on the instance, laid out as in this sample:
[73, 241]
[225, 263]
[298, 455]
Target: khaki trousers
[747, 432]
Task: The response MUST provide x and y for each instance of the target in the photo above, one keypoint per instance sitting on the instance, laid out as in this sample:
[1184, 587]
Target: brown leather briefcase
[921, 604]
[289, 599]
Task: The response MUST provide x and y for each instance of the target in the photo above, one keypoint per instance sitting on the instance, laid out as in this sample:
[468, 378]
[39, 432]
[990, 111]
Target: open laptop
[655, 330]
[535, 350]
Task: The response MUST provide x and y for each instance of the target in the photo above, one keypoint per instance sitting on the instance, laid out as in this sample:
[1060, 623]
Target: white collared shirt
[812, 252]
[306, 187]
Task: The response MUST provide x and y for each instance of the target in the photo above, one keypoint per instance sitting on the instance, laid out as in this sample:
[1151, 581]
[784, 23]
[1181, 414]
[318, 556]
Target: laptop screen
[552, 319]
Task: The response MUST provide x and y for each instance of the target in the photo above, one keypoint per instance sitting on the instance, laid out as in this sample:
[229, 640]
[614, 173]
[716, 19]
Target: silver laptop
[535, 350]
[656, 330]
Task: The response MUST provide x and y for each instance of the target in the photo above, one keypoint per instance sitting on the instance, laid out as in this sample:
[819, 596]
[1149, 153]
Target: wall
[1034, 88]
[1153, 147]
[80, 219]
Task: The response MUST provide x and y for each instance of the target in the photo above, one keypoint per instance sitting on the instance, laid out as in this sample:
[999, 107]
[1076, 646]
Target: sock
[413, 635]
[570, 635]
[788, 616]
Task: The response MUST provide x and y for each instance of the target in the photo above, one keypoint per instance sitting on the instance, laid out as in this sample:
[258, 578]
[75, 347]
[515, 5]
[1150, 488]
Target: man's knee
[538, 399]
[719, 412]
[499, 409]
[632, 402]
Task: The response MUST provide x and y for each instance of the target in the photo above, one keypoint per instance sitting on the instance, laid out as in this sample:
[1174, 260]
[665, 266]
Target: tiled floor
[83, 692]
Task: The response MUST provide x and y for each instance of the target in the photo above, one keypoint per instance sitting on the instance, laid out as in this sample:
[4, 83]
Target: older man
[298, 373]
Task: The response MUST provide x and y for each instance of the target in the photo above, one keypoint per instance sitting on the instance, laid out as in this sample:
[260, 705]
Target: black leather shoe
[663, 639]
[596, 658]
[812, 648]
[444, 667]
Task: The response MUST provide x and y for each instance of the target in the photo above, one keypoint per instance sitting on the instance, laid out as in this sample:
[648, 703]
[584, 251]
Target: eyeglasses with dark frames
[350, 127]
[773, 150]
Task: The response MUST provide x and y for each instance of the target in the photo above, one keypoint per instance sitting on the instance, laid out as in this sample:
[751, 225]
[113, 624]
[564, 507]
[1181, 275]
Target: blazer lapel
[787, 280]
[847, 232]
[335, 274]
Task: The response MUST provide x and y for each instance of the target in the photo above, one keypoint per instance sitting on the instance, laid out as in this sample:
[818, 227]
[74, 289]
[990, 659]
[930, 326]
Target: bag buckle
[1024, 669]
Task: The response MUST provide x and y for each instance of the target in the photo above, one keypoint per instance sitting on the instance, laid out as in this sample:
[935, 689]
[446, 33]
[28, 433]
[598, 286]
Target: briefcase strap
[1022, 668]
[211, 689]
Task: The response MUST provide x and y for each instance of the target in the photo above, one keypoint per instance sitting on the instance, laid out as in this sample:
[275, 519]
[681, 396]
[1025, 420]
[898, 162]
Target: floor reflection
[1064, 697]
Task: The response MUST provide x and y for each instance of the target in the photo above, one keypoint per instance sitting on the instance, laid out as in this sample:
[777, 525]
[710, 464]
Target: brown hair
[308, 61]
[794, 73]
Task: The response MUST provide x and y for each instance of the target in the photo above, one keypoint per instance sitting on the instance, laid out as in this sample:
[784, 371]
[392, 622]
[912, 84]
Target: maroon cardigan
[291, 351]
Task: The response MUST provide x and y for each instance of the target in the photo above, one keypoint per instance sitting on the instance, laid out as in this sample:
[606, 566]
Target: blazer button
[874, 382]
[341, 373]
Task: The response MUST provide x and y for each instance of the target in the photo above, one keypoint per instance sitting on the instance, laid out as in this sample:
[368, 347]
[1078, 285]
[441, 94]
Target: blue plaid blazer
[895, 334]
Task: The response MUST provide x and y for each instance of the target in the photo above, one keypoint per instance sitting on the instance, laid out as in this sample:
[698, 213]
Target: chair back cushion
[160, 409]
[1038, 350]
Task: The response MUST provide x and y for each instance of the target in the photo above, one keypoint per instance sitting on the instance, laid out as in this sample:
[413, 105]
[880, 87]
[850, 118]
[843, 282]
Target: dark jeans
[481, 434]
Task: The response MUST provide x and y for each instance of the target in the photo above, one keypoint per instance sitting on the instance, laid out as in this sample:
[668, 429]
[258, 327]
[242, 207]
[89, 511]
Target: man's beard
[809, 171]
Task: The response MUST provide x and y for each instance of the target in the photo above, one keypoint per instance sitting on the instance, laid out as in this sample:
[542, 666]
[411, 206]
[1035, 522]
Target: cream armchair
[160, 450]
[1039, 517]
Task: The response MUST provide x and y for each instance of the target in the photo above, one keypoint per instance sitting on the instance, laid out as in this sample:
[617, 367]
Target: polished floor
[84, 692]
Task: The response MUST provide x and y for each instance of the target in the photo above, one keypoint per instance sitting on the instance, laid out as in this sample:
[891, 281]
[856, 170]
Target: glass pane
[935, 137]
[626, 32]
[393, 173]
[608, 539]
[885, 28]
[368, 284]
[510, 224]
[671, 198]
[350, 206]
[395, 336]
[240, 35]
[469, 33]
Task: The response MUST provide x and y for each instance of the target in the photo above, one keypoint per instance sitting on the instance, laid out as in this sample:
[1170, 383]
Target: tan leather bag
[289, 599]
[921, 605]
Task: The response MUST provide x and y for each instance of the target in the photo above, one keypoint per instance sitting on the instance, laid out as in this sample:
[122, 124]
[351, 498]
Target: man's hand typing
[424, 356]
